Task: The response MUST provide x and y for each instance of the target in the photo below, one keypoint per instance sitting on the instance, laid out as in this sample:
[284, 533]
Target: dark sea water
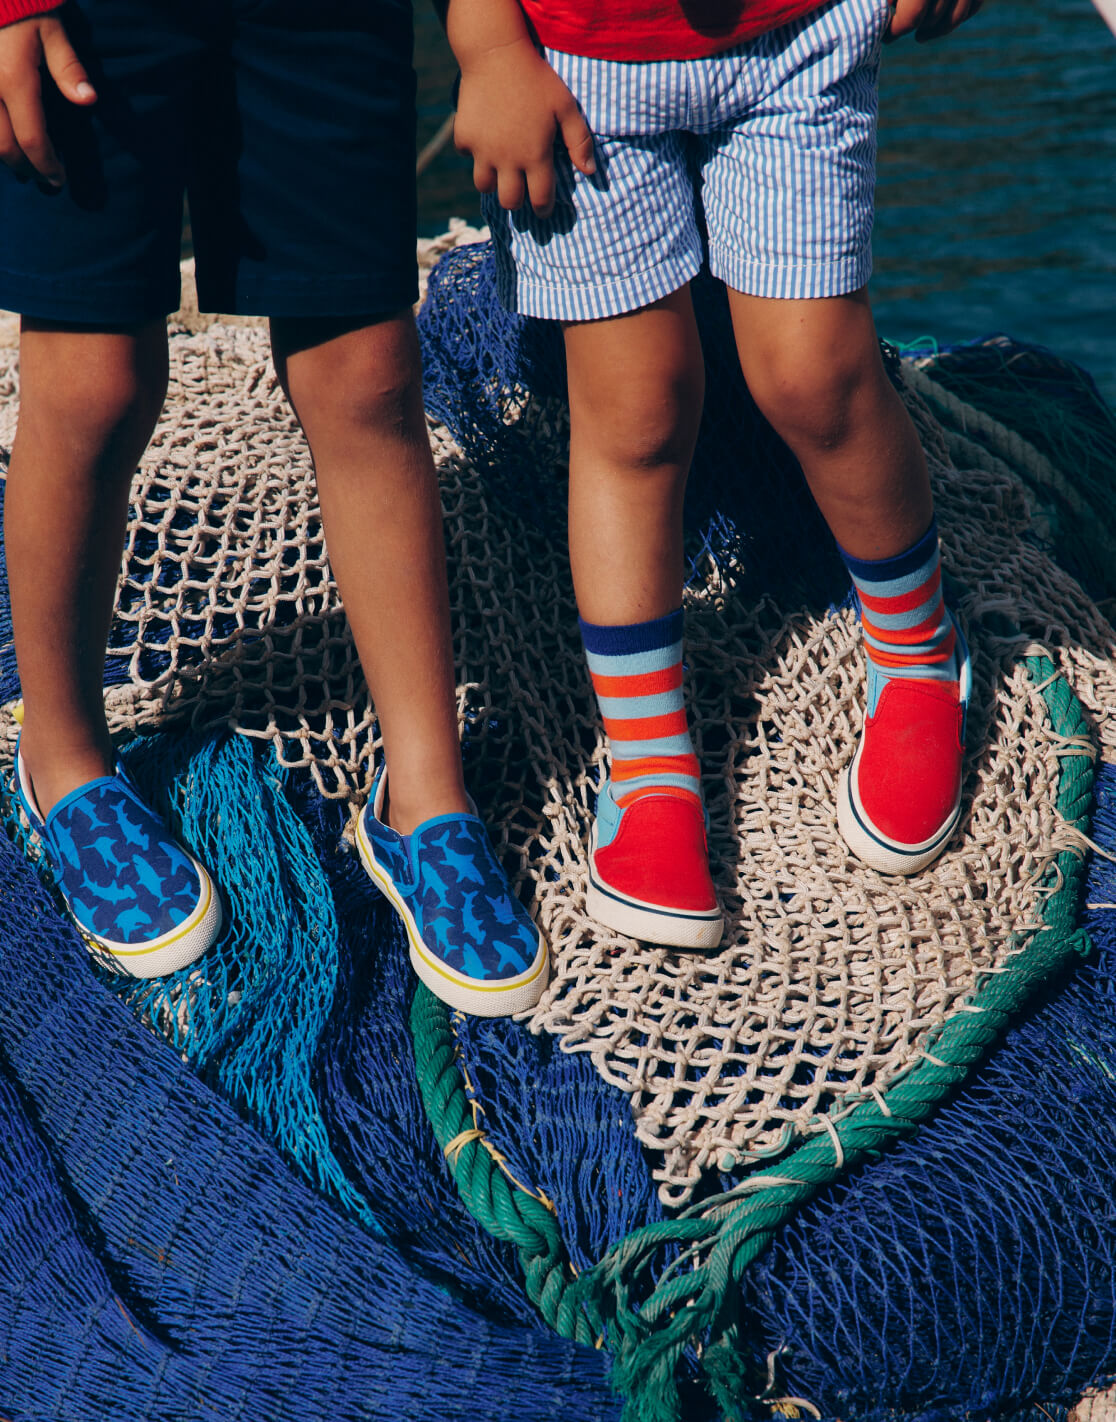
[996, 202]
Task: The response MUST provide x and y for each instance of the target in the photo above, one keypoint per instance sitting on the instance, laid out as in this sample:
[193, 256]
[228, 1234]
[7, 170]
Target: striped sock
[907, 630]
[637, 675]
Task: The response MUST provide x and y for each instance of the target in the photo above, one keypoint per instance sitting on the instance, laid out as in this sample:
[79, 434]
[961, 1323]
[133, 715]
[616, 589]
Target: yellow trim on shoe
[169, 938]
[175, 950]
[454, 988]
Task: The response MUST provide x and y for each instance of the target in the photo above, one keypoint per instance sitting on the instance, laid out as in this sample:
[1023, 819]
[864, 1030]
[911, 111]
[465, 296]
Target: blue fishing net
[974, 1267]
[220, 1195]
[162, 1261]
[157, 1239]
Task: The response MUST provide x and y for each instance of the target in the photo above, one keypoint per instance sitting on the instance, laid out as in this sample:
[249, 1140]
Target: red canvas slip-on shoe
[649, 871]
[899, 802]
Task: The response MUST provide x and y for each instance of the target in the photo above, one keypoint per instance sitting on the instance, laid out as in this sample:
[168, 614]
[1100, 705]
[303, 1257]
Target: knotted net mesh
[831, 980]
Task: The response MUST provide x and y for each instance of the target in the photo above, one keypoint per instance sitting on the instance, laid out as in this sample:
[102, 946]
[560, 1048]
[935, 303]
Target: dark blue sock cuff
[883, 570]
[633, 637]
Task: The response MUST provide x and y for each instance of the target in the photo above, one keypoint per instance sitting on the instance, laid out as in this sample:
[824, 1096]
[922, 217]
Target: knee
[102, 390]
[642, 421]
[366, 381]
[815, 405]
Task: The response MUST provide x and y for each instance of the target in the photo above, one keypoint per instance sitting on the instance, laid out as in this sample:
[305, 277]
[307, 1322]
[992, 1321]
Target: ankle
[55, 766]
[405, 808]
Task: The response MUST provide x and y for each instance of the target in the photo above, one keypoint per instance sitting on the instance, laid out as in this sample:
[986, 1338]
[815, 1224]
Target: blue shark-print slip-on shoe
[472, 942]
[143, 904]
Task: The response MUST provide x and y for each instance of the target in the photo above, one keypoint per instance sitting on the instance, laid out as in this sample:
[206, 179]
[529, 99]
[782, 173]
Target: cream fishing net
[831, 979]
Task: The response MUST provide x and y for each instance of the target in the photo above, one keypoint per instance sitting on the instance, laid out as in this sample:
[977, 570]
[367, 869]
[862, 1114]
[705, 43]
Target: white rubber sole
[649, 923]
[503, 999]
[175, 950]
[875, 849]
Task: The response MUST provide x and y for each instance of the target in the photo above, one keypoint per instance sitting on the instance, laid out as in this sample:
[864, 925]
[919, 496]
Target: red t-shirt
[656, 29]
[613, 29]
[12, 10]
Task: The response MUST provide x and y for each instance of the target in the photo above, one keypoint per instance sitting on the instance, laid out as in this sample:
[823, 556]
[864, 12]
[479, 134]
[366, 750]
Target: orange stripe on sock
[942, 653]
[647, 728]
[655, 765]
[902, 602]
[674, 791]
[906, 636]
[641, 684]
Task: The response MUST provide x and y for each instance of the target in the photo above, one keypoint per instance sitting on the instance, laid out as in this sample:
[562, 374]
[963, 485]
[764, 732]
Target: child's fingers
[958, 13]
[540, 188]
[512, 189]
[904, 17]
[907, 16]
[11, 154]
[578, 138]
[484, 176]
[937, 21]
[964, 10]
[24, 104]
[63, 65]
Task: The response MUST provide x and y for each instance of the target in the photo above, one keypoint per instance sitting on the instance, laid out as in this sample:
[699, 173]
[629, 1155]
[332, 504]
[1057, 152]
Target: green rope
[697, 1299]
[702, 1301]
[505, 1209]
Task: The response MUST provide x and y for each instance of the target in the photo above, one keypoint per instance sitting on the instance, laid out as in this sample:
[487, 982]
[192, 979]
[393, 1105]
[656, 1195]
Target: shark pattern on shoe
[471, 941]
[143, 904]
[649, 871]
[899, 802]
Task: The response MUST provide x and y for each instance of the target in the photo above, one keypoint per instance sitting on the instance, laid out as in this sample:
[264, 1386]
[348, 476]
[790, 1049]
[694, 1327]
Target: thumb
[63, 65]
[578, 140]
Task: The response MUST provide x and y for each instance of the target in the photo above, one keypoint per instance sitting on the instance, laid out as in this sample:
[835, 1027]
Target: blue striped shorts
[776, 140]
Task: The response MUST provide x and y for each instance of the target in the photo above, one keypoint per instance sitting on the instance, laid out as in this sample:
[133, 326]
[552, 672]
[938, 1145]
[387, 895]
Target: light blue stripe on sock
[634, 708]
[899, 621]
[661, 745]
[895, 587]
[650, 782]
[635, 663]
[929, 671]
[918, 649]
[878, 677]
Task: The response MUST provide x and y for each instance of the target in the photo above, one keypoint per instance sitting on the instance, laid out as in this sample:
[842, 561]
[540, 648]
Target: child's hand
[930, 19]
[25, 47]
[511, 109]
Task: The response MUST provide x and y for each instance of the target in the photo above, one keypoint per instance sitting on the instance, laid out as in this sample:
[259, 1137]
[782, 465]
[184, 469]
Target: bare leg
[90, 400]
[357, 390]
[636, 389]
[814, 369]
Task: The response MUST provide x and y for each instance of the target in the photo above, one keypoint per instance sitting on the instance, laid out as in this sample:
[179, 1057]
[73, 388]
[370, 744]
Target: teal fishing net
[222, 1195]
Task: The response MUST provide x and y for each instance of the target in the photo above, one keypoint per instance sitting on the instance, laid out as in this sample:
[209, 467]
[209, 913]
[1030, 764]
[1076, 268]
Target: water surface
[996, 204]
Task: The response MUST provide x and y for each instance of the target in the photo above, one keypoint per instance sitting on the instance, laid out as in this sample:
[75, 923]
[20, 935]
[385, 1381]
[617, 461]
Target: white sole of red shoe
[871, 846]
[650, 923]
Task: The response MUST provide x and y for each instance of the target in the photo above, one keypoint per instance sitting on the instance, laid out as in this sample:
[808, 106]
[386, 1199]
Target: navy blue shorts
[290, 126]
